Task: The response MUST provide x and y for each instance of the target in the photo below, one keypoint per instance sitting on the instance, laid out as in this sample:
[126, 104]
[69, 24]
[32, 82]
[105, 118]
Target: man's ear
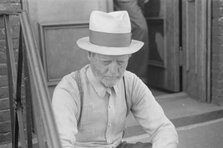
[89, 55]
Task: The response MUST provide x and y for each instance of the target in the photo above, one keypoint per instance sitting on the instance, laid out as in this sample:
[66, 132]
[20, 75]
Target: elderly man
[91, 104]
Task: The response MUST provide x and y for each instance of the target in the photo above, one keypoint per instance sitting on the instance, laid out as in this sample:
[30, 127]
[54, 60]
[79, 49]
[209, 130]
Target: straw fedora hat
[110, 34]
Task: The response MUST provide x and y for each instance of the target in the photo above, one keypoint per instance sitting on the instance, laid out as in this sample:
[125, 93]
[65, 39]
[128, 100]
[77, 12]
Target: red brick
[4, 115]
[3, 69]
[4, 104]
[217, 3]
[9, 1]
[219, 92]
[216, 22]
[5, 138]
[2, 33]
[217, 83]
[217, 29]
[217, 48]
[10, 6]
[216, 100]
[2, 45]
[215, 59]
[217, 12]
[217, 52]
[1, 22]
[4, 92]
[16, 43]
[16, 55]
[2, 57]
[5, 127]
[14, 20]
[15, 32]
[3, 80]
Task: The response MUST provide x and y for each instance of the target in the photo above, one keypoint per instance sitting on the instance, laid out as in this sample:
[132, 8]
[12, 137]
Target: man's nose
[113, 68]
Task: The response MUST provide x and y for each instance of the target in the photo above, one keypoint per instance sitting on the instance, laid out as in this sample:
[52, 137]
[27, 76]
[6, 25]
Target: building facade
[216, 64]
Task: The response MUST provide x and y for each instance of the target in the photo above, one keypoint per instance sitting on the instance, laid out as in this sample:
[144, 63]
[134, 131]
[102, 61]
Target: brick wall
[5, 125]
[217, 52]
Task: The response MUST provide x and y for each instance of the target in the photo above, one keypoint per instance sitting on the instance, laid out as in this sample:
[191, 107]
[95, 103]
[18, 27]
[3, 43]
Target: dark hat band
[110, 39]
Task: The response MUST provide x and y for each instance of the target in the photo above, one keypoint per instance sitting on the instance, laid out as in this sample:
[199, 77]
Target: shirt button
[109, 141]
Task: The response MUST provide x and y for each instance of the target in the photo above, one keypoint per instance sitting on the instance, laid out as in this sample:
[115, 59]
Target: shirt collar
[99, 88]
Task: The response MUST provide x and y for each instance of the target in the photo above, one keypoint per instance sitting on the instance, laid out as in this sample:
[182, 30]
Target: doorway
[178, 58]
[177, 41]
[164, 66]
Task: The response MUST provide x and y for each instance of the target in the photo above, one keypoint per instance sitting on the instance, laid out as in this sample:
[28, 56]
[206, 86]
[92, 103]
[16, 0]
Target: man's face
[108, 69]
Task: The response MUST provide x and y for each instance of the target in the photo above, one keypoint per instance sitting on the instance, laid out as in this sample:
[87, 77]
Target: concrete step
[181, 110]
[199, 125]
[202, 135]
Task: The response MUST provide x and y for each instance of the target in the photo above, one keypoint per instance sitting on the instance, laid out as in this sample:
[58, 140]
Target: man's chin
[110, 84]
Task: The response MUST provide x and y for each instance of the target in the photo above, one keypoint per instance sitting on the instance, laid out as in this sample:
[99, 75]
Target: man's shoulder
[68, 81]
[129, 75]
[132, 79]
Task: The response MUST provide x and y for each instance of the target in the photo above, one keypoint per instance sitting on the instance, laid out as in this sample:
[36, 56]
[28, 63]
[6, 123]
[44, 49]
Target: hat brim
[85, 44]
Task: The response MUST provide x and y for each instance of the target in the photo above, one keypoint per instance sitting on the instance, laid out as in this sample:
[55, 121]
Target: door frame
[196, 65]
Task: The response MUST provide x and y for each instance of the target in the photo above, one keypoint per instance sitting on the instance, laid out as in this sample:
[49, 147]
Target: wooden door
[163, 23]
[195, 48]
[57, 25]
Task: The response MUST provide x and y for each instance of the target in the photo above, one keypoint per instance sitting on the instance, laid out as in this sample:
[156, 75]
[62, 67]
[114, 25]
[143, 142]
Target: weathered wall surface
[5, 124]
[217, 52]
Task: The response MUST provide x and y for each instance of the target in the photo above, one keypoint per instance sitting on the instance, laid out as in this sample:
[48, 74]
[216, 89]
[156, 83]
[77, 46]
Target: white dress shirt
[104, 112]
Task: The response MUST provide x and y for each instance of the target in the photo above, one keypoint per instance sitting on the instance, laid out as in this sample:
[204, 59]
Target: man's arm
[64, 108]
[151, 117]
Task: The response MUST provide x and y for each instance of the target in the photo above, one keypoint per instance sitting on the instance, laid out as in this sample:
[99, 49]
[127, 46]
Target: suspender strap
[78, 81]
[126, 98]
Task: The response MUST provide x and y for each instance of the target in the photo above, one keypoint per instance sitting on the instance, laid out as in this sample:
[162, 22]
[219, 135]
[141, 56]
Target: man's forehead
[101, 56]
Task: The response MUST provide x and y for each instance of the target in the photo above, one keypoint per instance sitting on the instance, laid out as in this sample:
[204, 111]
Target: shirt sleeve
[150, 115]
[65, 110]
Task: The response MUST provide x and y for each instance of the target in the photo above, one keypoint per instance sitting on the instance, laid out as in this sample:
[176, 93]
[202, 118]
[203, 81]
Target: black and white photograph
[111, 73]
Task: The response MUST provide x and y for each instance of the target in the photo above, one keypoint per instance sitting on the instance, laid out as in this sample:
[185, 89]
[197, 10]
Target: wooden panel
[172, 44]
[4, 104]
[4, 115]
[163, 25]
[69, 10]
[57, 25]
[5, 127]
[195, 48]
[155, 8]
[59, 51]
[63, 11]
[156, 42]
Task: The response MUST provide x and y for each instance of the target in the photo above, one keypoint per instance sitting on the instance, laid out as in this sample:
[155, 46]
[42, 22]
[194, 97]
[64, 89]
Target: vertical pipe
[187, 37]
[197, 30]
[11, 81]
[208, 35]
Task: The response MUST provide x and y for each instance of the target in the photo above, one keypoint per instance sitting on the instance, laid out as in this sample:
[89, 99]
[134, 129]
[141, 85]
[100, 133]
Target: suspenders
[77, 78]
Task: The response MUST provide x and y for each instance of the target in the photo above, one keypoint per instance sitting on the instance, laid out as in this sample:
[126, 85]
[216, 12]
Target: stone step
[181, 110]
[202, 135]
[187, 114]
